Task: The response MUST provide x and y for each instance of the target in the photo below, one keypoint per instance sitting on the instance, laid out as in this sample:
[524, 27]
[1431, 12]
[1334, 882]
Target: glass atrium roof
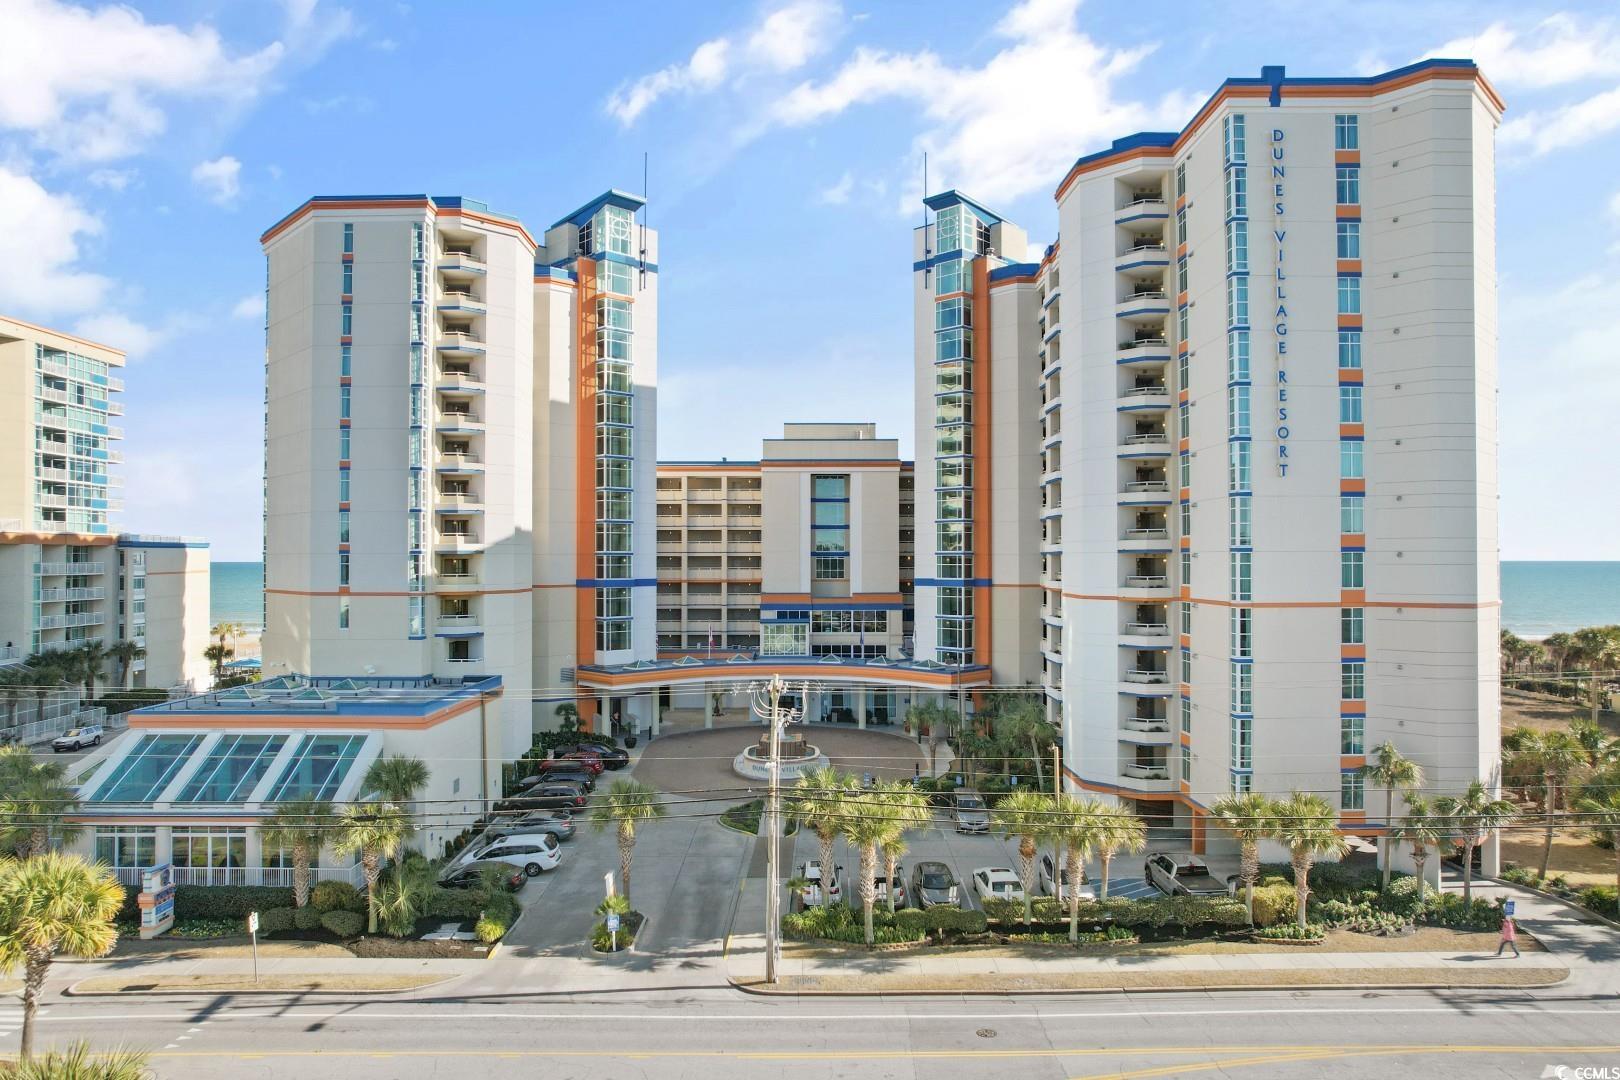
[188, 769]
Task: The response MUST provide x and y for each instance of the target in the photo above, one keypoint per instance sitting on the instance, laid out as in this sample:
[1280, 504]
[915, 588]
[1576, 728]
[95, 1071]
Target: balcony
[457, 542]
[453, 381]
[12, 654]
[1146, 307]
[461, 302]
[456, 502]
[53, 501]
[1143, 350]
[115, 408]
[115, 383]
[70, 569]
[52, 596]
[1144, 493]
[455, 462]
[1141, 209]
[114, 432]
[1145, 732]
[457, 343]
[54, 476]
[465, 665]
[458, 265]
[1144, 540]
[1145, 444]
[457, 625]
[1145, 255]
[1156, 774]
[83, 618]
[743, 573]
[456, 582]
[1144, 396]
[459, 421]
[1147, 629]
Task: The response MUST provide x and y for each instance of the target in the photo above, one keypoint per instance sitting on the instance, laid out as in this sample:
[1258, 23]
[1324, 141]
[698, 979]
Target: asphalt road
[724, 1035]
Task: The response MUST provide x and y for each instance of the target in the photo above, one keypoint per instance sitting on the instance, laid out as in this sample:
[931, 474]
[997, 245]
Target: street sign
[253, 922]
[1507, 908]
[253, 932]
[612, 923]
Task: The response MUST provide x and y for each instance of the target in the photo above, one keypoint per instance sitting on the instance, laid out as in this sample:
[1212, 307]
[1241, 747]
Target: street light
[767, 701]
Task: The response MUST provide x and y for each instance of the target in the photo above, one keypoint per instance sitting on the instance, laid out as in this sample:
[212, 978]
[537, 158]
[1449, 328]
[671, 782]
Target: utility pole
[773, 834]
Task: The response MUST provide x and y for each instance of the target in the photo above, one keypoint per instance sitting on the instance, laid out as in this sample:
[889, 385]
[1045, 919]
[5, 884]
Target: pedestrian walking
[1509, 937]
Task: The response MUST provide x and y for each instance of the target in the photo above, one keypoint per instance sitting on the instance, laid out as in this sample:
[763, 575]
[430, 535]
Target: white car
[810, 895]
[78, 738]
[997, 883]
[531, 853]
[881, 881]
[1052, 875]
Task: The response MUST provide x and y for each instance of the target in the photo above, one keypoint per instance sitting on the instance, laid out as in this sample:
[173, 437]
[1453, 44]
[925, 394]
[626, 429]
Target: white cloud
[1614, 208]
[85, 83]
[1557, 50]
[121, 332]
[112, 179]
[250, 306]
[39, 249]
[220, 178]
[784, 40]
[989, 134]
[1543, 131]
[838, 194]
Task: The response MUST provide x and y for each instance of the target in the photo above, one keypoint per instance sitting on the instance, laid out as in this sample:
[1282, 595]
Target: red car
[591, 761]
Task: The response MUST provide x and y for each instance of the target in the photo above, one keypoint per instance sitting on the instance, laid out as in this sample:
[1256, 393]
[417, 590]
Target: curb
[74, 991]
[761, 991]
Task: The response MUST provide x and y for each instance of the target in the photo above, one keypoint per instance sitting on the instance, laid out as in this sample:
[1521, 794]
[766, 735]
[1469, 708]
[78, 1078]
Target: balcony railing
[83, 618]
[1145, 772]
[12, 654]
[1146, 390]
[1147, 485]
[1147, 246]
[464, 660]
[1147, 675]
[54, 595]
[1143, 343]
[1146, 726]
[279, 876]
[1148, 629]
[1143, 437]
[1146, 581]
[1147, 534]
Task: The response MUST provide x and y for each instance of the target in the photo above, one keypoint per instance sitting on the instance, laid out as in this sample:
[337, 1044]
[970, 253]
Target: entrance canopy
[746, 668]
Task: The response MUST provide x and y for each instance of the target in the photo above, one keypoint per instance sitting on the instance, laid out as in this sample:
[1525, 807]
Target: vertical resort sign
[1279, 232]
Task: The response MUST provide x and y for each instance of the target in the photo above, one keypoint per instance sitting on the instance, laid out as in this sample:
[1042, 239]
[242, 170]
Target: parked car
[1181, 875]
[613, 757]
[970, 812]
[810, 895]
[584, 759]
[545, 796]
[471, 875]
[1055, 880]
[78, 738]
[997, 883]
[933, 885]
[565, 772]
[881, 880]
[556, 822]
[531, 852]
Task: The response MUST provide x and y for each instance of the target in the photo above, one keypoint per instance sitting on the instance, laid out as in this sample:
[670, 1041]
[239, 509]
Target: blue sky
[143, 149]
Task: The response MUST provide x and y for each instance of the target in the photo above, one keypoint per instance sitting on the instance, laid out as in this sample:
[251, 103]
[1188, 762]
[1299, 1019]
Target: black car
[562, 773]
[472, 876]
[613, 757]
[545, 796]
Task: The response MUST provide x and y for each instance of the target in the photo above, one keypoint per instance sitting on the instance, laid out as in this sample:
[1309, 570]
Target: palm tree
[936, 718]
[1423, 830]
[626, 803]
[89, 661]
[908, 809]
[1553, 756]
[567, 716]
[1310, 828]
[1473, 816]
[48, 672]
[217, 655]
[1389, 772]
[1599, 649]
[1559, 647]
[1250, 817]
[1025, 816]
[299, 826]
[397, 779]
[53, 904]
[1599, 804]
[817, 802]
[1599, 748]
[1076, 825]
[865, 822]
[35, 802]
[377, 830]
[125, 653]
[1121, 831]
[15, 682]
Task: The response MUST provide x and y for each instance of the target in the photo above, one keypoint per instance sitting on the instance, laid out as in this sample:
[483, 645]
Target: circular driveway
[700, 761]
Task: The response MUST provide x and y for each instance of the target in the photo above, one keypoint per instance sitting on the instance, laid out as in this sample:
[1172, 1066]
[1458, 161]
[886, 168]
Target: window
[1237, 356]
[610, 231]
[343, 568]
[1238, 458]
[343, 485]
[1350, 349]
[1350, 459]
[952, 276]
[343, 613]
[612, 635]
[1351, 623]
[417, 617]
[1242, 686]
[828, 568]
[1347, 188]
[1237, 247]
[1181, 180]
[348, 320]
[127, 847]
[345, 443]
[1352, 790]
[1181, 275]
[1349, 404]
[1350, 514]
[1242, 577]
[953, 345]
[348, 279]
[345, 360]
[1183, 326]
[1237, 301]
[1186, 616]
[1239, 516]
[1186, 519]
[1345, 133]
[1186, 762]
[829, 487]
[1349, 239]
[1242, 643]
[1237, 193]
[1352, 735]
[956, 602]
[1184, 420]
[784, 639]
[1233, 139]
[1237, 410]
[951, 536]
[345, 401]
[214, 849]
[343, 526]
[1353, 680]
[953, 473]
[952, 313]
[613, 277]
[1352, 570]
[1242, 783]
[1186, 567]
[418, 241]
[1186, 714]
[1349, 296]
[1181, 231]
[1186, 667]
[1184, 468]
[829, 540]
[348, 239]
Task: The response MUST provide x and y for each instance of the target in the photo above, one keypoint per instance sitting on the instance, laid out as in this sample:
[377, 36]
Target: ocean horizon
[1538, 598]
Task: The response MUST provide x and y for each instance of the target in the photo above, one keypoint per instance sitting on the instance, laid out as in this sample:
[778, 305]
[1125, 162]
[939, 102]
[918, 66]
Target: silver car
[78, 738]
[970, 812]
[555, 822]
[1181, 875]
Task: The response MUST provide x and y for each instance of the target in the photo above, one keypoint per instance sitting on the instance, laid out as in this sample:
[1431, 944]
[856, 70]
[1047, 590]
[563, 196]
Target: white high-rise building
[459, 444]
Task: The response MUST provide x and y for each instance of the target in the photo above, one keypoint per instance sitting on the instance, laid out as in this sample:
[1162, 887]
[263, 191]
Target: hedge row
[840, 922]
[1159, 913]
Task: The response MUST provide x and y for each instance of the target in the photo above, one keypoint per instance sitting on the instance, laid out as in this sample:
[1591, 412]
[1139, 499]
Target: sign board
[156, 900]
[612, 923]
[253, 922]
[1507, 908]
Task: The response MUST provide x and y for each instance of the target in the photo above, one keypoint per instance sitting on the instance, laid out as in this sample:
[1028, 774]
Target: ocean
[1538, 598]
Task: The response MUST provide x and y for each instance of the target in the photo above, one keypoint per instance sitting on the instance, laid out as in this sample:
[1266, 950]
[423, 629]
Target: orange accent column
[585, 478]
[1199, 832]
[981, 458]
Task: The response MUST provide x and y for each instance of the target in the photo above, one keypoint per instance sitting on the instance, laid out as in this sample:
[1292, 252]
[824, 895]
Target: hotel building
[1269, 525]
[459, 444]
[67, 576]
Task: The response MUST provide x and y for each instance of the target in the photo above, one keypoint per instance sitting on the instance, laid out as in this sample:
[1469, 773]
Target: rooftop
[363, 696]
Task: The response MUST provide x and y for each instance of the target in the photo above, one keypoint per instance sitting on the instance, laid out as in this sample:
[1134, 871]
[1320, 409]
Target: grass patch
[136, 983]
[1502, 976]
[746, 817]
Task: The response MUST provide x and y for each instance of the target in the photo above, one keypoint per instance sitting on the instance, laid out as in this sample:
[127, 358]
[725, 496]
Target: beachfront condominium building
[459, 444]
[68, 578]
[1269, 522]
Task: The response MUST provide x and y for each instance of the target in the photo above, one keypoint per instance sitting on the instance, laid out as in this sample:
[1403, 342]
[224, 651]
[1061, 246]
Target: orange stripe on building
[1352, 431]
[1347, 157]
[1349, 266]
[1350, 487]
[1350, 375]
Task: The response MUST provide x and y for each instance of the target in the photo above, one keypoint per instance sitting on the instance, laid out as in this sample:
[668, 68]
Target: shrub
[1177, 914]
[490, 931]
[1274, 904]
[336, 896]
[306, 918]
[1451, 911]
[276, 920]
[1520, 875]
[453, 903]
[195, 929]
[1407, 897]
[343, 924]
[840, 922]
[502, 906]
[1599, 898]
[1295, 932]
[227, 901]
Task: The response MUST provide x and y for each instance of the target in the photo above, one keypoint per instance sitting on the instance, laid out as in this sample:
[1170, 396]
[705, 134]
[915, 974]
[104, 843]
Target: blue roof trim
[952, 197]
[211, 703]
[1014, 270]
[611, 197]
[614, 583]
[559, 273]
[606, 256]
